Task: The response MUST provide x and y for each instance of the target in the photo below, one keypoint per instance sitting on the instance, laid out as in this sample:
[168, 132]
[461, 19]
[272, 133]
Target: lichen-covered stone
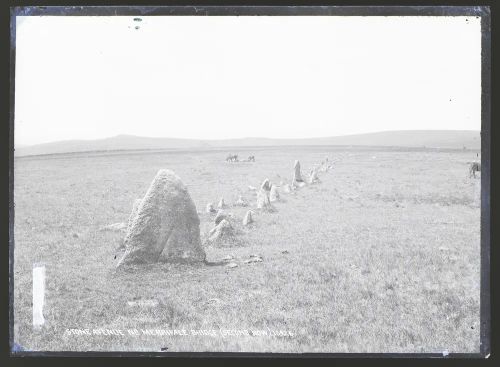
[133, 214]
[166, 227]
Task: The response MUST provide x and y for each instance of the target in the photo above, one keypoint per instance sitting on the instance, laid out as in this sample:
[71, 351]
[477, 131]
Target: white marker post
[38, 296]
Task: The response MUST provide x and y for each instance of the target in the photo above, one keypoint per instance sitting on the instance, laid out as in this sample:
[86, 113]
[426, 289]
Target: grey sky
[229, 77]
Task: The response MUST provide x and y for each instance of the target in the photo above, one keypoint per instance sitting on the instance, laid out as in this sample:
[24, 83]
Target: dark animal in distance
[473, 168]
[251, 158]
[232, 158]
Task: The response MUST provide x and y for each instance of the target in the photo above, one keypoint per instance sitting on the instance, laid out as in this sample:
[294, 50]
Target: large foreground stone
[166, 227]
[133, 214]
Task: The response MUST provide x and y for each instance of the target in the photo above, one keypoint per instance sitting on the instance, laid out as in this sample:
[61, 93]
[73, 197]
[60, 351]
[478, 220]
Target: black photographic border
[478, 11]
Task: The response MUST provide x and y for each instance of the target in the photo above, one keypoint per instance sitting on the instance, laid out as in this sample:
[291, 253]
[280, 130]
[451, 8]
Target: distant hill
[449, 139]
[120, 142]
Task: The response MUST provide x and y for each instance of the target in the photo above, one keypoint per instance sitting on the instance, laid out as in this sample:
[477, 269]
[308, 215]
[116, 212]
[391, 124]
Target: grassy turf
[381, 256]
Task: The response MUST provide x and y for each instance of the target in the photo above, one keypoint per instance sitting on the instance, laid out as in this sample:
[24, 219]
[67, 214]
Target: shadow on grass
[215, 263]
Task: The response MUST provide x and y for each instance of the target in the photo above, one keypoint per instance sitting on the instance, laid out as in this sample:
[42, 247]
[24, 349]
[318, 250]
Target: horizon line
[241, 138]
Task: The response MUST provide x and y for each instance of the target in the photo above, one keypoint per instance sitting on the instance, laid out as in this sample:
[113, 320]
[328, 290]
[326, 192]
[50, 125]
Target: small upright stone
[222, 235]
[274, 194]
[248, 218]
[221, 204]
[266, 185]
[297, 175]
[210, 208]
[221, 214]
[313, 178]
[263, 201]
[241, 201]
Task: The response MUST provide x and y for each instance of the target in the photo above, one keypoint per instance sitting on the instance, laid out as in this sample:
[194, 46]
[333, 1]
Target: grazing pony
[473, 168]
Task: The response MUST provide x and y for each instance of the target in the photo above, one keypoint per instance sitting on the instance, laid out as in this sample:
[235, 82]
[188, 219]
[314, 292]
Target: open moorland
[382, 255]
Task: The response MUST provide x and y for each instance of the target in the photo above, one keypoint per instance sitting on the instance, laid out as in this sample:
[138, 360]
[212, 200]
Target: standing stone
[274, 194]
[313, 178]
[266, 185]
[221, 204]
[221, 214]
[222, 234]
[210, 208]
[248, 218]
[263, 201]
[297, 176]
[167, 227]
[241, 201]
[133, 214]
[131, 219]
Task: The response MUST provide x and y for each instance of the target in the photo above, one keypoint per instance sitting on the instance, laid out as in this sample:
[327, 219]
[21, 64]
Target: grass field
[381, 256]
